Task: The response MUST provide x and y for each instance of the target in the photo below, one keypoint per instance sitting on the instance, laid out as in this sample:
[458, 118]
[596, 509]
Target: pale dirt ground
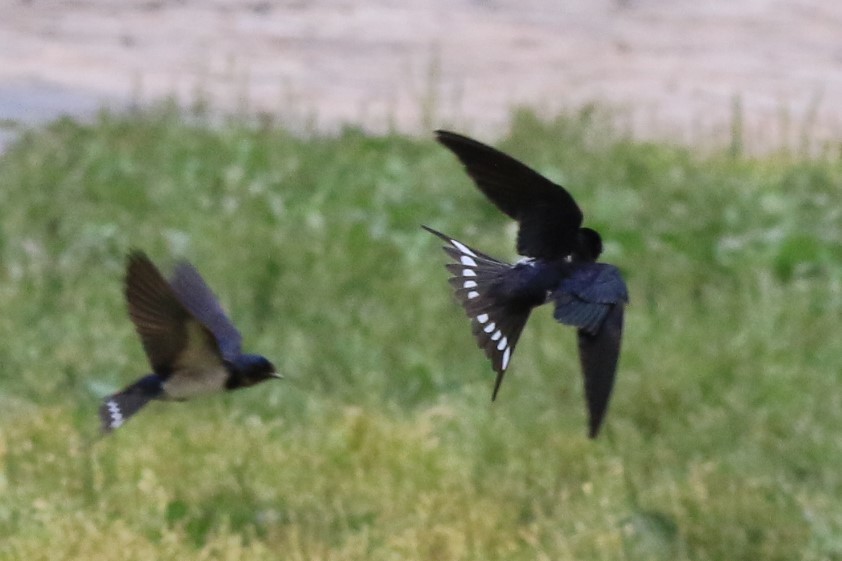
[673, 68]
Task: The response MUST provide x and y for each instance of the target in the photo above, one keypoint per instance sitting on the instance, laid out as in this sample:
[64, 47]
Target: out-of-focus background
[285, 149]
[678, 69]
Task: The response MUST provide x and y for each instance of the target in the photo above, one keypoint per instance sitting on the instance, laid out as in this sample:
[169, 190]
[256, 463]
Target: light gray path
[674, 68]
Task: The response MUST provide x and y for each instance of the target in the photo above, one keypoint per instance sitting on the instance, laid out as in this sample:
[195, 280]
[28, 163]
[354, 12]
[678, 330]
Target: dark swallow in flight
[192, 346]
[560, 267]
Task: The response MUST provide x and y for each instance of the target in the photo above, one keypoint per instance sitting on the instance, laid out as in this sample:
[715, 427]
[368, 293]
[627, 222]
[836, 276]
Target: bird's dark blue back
[529, 281]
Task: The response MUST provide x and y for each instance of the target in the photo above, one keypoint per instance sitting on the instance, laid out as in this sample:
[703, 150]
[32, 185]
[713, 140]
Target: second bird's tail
[117, 408]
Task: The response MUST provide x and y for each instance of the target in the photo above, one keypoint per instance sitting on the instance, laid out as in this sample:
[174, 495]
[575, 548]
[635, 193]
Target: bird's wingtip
[594, 427]
[135, 255]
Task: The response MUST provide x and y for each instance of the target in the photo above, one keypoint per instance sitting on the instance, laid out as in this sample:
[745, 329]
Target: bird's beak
[277, 375]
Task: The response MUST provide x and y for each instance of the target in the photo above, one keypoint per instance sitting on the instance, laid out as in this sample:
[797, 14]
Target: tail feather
[117, 408]
[495, 322]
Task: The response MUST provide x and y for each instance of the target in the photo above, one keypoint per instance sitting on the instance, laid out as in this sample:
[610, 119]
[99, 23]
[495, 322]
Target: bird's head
[253, 369]
[589, 245]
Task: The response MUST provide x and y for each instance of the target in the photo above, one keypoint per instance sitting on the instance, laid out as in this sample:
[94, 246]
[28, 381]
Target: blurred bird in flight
[191, 344]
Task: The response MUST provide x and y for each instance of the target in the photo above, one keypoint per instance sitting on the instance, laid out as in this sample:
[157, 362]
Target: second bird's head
[253, 369]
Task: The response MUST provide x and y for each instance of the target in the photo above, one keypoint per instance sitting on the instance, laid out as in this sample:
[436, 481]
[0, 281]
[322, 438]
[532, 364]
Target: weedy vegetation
[722, 442]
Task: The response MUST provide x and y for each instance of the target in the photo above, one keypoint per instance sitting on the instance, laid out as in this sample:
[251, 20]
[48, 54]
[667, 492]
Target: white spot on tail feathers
[116, 416]
[497, 335]
[467, 261]
[473, 294]
[502, 344]
[463, 248]
[468, 273]
[490, 327]
[482, 318]
[470, 284]
[507, 354]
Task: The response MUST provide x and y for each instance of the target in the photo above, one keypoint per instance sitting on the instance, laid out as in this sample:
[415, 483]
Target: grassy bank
[722, 441]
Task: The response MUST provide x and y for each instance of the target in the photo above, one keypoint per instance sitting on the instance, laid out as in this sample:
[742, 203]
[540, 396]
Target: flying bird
[559, 266]
[191, 344]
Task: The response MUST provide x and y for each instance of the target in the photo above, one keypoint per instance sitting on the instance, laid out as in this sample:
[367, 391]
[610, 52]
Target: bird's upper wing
[167, 329]
[197, 297]
[549, 218]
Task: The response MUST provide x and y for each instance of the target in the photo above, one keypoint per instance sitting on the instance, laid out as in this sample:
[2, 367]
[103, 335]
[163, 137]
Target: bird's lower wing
[585, 296]
[572, 310]
[599, 353]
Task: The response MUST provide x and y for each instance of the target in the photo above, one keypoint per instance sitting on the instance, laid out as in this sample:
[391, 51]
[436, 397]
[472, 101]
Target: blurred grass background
[722, 441]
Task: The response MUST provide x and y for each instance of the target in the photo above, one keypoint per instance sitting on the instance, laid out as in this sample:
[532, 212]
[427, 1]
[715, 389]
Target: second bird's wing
[197, 297]
[172, 337]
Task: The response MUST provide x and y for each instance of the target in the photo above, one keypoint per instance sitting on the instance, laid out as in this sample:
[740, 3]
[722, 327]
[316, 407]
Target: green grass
[722, 442]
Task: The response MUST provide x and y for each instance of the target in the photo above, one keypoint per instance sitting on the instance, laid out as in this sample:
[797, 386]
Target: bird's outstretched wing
[598, 355]
[197, 297]
[168, 331]
[156, 312]
[495, 323]
[549, 218]
[593, 298]
[585, 296]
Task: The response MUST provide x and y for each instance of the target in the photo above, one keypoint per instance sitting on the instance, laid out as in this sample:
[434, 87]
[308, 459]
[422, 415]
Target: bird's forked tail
[117, 408]
[496, 321]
